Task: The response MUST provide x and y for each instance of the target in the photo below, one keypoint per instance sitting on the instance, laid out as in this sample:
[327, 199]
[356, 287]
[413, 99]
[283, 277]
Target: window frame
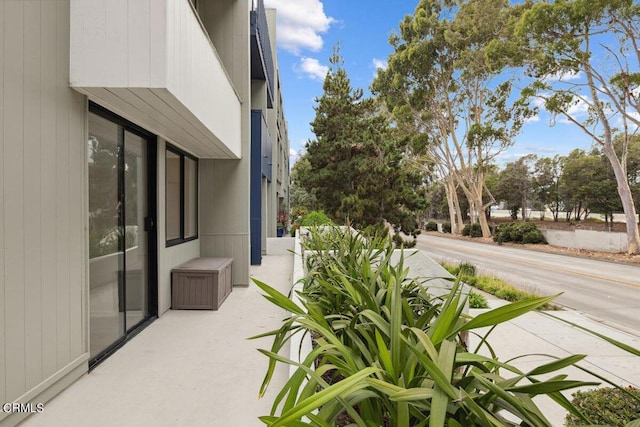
[182, 238]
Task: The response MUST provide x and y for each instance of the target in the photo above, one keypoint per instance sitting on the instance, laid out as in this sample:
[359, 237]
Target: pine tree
[356, 161]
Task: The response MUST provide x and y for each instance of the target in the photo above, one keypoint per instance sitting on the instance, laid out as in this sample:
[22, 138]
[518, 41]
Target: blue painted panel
[266, 151]
[262, 65]
[255, 198]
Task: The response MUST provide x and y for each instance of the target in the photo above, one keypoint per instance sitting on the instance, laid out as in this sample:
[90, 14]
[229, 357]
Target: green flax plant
[387, 353]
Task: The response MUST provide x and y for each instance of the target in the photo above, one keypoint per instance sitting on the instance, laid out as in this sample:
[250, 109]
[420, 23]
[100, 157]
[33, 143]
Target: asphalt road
[606, 291]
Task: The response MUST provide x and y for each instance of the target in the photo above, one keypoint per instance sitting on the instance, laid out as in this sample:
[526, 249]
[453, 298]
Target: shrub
[402, 243]
[315, 218]
[298, 212]
[387, 352]
[467, 269]
[606, 406]
[518, 232]
[376, 230]
[472, 230]
[446, 227]
[477, 300]
[431, 226]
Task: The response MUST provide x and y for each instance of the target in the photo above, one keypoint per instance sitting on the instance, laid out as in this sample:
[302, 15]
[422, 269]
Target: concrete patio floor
[188, 368]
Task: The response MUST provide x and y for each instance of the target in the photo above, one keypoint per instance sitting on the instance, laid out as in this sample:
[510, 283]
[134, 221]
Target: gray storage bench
[201, 284]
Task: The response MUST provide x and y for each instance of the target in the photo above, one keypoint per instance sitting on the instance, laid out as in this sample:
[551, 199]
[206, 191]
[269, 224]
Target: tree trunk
[484, 224]
[633, 235]
[481, 215]
[473, 210]
[452, 202]
[458, 217]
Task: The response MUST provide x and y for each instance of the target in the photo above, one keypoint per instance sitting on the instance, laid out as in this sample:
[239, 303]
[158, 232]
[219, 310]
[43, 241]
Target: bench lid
[204, 265]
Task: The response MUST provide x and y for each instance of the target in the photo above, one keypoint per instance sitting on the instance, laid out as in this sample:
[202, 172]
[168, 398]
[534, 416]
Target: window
[181, 196]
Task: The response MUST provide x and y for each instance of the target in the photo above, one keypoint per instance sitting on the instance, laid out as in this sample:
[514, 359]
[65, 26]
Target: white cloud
[300, 24]
[532, 119]
[579, 111]
[632, 126]
[538, 102]
[296, 153]
[312, 68]
[564, 76]
[507, 157]
[380, 63]
[293, 156]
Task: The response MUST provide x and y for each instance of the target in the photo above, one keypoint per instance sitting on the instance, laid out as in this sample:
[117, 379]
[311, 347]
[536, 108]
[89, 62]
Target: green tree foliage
[587, 185]
[514, 186]
[301, 200]
[315, 218]
[356, 166]
[556, 41]
[440, 89]
[546, 183]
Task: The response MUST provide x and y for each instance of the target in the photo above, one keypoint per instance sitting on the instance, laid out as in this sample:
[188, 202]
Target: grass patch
[491, 285]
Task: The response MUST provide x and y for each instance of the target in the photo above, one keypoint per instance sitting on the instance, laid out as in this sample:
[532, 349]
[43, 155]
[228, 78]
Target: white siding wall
[224, 189]
[42, 203]
[150, 60]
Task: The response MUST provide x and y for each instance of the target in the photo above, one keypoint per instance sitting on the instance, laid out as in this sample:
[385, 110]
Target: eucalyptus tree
[440, 88]
[584, 57]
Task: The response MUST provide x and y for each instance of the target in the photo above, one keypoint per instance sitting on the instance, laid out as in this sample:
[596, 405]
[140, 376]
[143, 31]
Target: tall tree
[587, 185]
[440, 88]
[559, 42]
[356, 163]
[546, 183]
[515, 185]
[300, 199]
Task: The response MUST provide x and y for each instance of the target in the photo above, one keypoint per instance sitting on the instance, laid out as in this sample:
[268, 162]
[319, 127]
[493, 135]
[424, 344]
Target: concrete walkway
[196, 368]
[543, 333]
[188, 368]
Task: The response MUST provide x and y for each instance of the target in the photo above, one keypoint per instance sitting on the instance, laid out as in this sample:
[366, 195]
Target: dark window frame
[182, 155]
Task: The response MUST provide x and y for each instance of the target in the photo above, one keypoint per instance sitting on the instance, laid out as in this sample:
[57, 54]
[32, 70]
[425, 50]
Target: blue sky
[306, 33]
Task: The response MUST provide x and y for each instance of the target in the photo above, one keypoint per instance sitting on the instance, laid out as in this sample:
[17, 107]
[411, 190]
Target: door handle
[149, 223]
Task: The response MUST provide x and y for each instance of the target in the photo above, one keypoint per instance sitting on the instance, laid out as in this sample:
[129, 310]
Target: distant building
[127, 132]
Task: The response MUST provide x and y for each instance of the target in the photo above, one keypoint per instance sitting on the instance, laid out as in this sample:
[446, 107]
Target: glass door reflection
[118, 242]
[106, 255]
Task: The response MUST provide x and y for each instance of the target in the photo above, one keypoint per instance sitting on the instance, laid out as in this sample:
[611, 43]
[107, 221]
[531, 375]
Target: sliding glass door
[120, 231]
